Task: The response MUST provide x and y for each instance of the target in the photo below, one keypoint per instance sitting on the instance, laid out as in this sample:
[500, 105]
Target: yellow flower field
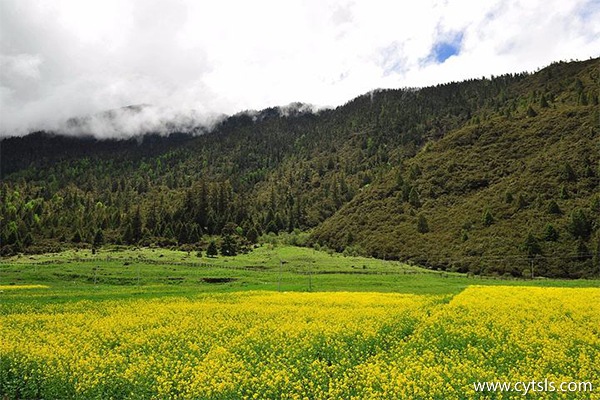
[252, 344]
[487, 334]
[301, 345]
[18, 287]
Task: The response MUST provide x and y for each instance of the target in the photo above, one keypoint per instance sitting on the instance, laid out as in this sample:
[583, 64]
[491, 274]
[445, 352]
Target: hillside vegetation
[489, 176]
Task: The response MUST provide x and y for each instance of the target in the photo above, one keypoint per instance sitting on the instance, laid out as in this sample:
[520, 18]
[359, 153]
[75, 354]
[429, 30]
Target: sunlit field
[264, 344]
[268, 345]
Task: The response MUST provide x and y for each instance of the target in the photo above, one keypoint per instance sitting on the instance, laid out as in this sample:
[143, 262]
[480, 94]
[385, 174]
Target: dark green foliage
[531, 112]
[508, 197]
[349, 239]
[580, 225]
[531, 246]
[564, 193]
[415, 172]
[28, 239]
[488, 218]
[212, 251]
[252, 235]
[521, 202]
[98, 238]
[596, 255]
[567, 173]
[228, 245]
[550, 233]
[422, 226]
[76, 237]
[553, 207]
[583, 253]
[231, 239]
[133, 232]
[595, 204]
[413, 198]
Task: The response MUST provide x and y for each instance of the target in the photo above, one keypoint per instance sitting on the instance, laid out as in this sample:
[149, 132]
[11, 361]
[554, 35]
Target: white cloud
[68, 57]
[20, 67]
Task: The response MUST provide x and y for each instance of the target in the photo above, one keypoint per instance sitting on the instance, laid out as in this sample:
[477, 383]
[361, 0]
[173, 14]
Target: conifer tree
[212, 251]
[550, 233]
[488, 218]
[413, 198]
[422, 225]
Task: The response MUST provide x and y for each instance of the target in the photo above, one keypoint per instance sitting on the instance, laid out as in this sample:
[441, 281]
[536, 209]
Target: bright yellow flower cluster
[241, 345]
[302, 345]
[491, 334]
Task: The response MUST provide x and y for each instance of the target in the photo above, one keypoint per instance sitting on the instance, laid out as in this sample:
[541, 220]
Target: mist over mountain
[136, 121]
[483, 175]
[67, 59]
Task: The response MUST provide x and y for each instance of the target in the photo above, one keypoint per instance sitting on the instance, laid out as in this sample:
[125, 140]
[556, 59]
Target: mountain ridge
[313, 171]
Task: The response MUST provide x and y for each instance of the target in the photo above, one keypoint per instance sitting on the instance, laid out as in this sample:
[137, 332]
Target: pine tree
[228, 246]
[582, 251]
[212, 251]
[568, 173]
[531, 112]
[136, 226]
[98, 238]
[413, 198]
[28, 240]
[531, 246]
[252, 235]
[12, 237]
[422, 225]
[580, 225]
[406, 189]
[488, 218]
[553, 207]
[349, 238]
[521, 202]
[550, 233]
[76, 237]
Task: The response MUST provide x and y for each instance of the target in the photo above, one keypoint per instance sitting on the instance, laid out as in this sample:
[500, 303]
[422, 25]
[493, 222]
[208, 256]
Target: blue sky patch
[446, 48]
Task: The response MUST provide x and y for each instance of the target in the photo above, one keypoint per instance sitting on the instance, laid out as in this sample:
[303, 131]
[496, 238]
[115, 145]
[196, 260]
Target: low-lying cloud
[138, 120]
[196, 60]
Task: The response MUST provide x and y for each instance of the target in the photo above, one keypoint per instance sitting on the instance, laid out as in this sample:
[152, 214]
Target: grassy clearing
[121, 273]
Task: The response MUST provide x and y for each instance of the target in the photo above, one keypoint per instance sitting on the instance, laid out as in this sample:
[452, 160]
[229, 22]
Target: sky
[192, 60]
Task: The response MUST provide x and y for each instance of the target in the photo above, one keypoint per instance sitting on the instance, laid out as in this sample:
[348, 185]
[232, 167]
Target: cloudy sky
[65, 58]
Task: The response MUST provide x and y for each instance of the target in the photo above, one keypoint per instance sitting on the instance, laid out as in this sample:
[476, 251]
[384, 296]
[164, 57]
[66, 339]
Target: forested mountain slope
[485, 198]
[448, 176]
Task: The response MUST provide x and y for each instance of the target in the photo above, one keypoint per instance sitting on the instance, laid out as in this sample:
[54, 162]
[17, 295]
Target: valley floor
[286, 322]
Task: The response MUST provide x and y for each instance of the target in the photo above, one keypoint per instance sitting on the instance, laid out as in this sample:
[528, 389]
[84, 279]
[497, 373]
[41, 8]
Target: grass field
[283, 322]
